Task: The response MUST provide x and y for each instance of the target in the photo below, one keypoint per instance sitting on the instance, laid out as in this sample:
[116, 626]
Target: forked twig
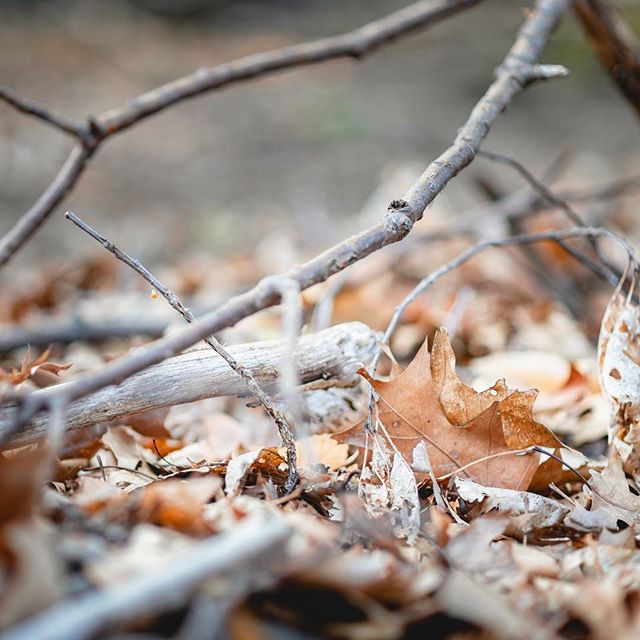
[354, 44]
[465, 256]
[605, 269]
[517, 71]
[276, 415]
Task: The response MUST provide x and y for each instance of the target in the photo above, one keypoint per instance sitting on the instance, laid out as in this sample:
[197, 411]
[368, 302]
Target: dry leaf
[178, 504]
[320, 449]
[544, 512]
[546, 371]
[31, 570]
[428, 403]
[612, 499]
[149, 549]
[29, 368]
[619, 363]
[21, 475]
[94, 494]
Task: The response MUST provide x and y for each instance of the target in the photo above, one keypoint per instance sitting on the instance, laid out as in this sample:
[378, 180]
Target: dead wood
[330, 355]
[152, 592]
[615, 43]
[518, 70]
[91, 134]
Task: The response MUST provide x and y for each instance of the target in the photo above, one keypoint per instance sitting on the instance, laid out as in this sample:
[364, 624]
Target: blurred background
[295, 160]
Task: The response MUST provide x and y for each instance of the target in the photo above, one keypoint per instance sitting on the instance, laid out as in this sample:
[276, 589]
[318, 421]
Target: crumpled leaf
[28, 368]
[619, 364]
[612, 500]
[545, 512]
[266, 461]
[428, 403]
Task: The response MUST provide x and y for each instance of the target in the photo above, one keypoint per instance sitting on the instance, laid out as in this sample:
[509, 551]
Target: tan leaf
[29, 368]
[619, 365]
[428, 403]
[178, 504]
[612, 498]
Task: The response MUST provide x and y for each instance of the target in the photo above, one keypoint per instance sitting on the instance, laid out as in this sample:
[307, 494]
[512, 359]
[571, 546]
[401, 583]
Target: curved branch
[353, 44]
[516, 71]
[38, 110]
[27, 224]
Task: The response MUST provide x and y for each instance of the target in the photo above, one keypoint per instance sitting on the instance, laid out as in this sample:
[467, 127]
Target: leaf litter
[461, 499]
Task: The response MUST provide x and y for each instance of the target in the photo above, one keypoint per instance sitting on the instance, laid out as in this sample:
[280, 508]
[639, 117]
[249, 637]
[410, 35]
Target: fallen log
[334, 354]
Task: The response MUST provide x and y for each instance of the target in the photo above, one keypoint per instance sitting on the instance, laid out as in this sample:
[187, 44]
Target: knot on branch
[525, 73]
[398, 223]
[273, 288]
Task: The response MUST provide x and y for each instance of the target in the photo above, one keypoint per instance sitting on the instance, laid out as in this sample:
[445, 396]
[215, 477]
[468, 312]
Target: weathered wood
[332, 354]
[615, 43]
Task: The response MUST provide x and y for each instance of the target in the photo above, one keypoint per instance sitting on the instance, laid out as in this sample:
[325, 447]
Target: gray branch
[355, 44]
[332, 355]
[151, 593]
[516, 72]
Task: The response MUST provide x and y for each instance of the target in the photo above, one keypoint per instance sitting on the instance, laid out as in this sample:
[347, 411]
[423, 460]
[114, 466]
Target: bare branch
[615, 43]
[511, 77]
[63, 330]
[84, 616]
[72, 328]
[274, 413]
[38, 110]
[353, 44]
[465, 256]
[604, 270]
[330, 357]
[27, 224]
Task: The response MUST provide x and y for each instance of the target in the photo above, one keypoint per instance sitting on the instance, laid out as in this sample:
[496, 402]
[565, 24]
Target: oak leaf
[464, 430]
[29, 368]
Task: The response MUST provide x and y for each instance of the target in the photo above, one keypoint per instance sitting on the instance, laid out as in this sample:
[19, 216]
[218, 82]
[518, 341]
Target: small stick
[548, 196]
[254, 541]
[473, 251]
[38, 110]
[276, 415]
[615, 43]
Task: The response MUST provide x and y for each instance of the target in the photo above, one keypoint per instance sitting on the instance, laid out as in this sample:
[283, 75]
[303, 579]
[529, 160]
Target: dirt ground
[298, 155]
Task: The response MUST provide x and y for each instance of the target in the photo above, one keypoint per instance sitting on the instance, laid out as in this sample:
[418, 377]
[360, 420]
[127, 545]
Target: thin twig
[75, 328]
[354, 44]
[38, 110]
[535, 184]
[170, 296]
[465, 256]
[517, 71]
[563, 205]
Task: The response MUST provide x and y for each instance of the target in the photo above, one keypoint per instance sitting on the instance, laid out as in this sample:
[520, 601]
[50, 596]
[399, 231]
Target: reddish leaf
[428, 403]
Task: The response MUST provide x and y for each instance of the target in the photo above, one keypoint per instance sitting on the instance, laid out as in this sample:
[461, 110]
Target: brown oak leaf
[29, 368]
[459, 426]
